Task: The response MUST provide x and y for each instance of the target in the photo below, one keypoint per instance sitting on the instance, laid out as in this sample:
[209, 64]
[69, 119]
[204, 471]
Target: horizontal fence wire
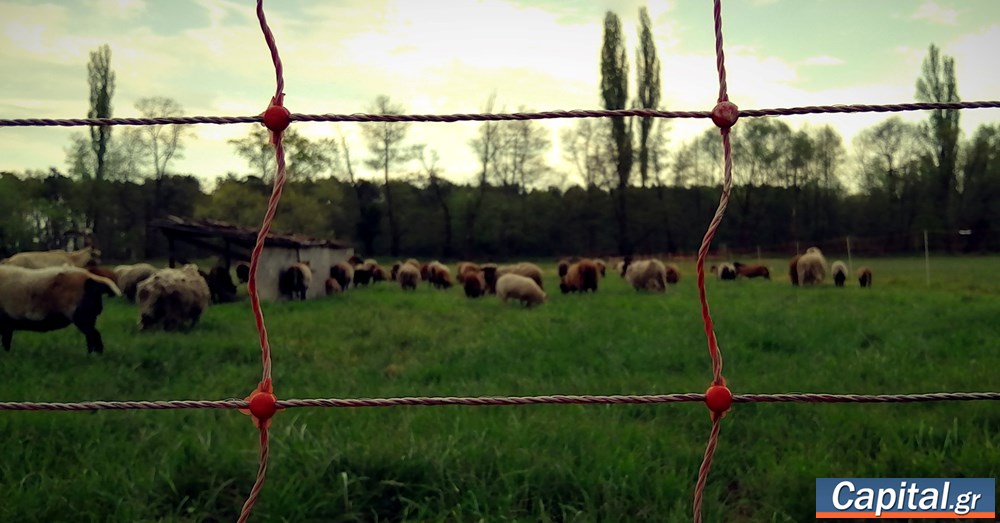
[494, 117]
[500, 401]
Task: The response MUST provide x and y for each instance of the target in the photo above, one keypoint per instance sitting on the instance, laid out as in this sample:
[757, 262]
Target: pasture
[534, 463]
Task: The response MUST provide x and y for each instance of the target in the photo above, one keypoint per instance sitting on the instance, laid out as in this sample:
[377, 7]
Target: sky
[448, 56]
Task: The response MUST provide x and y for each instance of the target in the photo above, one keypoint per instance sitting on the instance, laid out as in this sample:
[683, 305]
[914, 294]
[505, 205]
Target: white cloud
[823, 60]
[931, 12]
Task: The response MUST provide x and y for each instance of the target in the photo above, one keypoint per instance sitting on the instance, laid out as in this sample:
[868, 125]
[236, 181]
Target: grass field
[537, 463]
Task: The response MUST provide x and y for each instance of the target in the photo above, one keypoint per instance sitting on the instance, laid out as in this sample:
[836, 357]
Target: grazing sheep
[409, 277]
[601, 266]
[839, 271]
[582, 276]
[332, 286]
[294, 280]
[51, 298]
[463, 268]
[362, 275]
[811, 267]
[394, 271]
[725, 271]
[355, 260]
[379, 273]
[520, 288]
[527, 269]
[649, 275]
[752, 271]
[620, 268]
[55, 258]
[793, 270]
[474, 283]
[243, 272]
[172, 298]
[412, 261]
[439, 275]
[864, 276]
[490, 276]
[673, 273]
[130, 276]
[343, 272]
[221, 285]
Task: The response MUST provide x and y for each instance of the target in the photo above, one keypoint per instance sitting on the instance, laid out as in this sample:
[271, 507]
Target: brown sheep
[362, 275]
[332, 286]
[294, 280]
[439, 275]
[490, 276]
[243, 272]
[409, 277]
[864, 276]
[520, 288]
[343, 272]
[793, 270]
[474, 283]
[673, 273]
[752, 271]
[51, 298]
[582, 276]
[394, 270]
[601, 266]
[464, 267]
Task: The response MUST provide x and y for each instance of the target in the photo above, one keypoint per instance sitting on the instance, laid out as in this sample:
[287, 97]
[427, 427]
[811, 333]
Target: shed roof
[244, 236]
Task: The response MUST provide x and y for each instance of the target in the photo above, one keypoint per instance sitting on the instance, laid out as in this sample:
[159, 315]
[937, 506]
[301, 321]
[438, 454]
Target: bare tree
[440, 190]
[385, 144]
[520, 163]
[487, 145]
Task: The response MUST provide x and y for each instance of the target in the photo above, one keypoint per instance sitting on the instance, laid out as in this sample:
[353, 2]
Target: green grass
[538, 463]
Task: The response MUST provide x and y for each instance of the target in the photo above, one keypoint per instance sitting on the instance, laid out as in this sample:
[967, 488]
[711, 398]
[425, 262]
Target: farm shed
[233, 244]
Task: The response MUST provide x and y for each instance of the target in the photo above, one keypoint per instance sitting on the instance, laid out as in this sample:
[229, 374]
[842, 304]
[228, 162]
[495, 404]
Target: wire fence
[262, 404]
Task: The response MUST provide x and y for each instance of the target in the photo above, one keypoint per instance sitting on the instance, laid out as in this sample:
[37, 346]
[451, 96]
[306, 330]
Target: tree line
[636, 191]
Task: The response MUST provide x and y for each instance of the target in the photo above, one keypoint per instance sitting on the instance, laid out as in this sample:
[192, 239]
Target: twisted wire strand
[502, 401]
[493, 117]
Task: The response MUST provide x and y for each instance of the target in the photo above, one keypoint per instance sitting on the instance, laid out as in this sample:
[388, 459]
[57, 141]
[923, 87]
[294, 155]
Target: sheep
[220, 285]
[619, 268]
[55, 258]
[725, 271]
[355, 260]
[752, 271]
[463, 269]
[172, 298]
[490, 277]
[362, 275]
[343, 272]
[243, 272]
[601, 266]
[104, 271]
[839, 271]
[793, 270]
[332, 286]
[130, 276]
[521, 288]
[51, 298]
[581, 276]
[394, 271]
[412, 261]
[648, 275]
[474, 283]
[864, 276]
[379, 274]
[294, 280]
[409, 277]
[439, 275]
[526, 269]
[673, 273]
[811, 267]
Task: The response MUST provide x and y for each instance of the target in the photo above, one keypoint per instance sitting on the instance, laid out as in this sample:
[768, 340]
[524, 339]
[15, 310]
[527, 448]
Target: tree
[486, 145]
[889, 167]
[937, 84]
[385, 144]
[520, 163]
[102, 87]
[614, 91]
[305, 159]
[162, 143]
[440, 190]
[647, 72]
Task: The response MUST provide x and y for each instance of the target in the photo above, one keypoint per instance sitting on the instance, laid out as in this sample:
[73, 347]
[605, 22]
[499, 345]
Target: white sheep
[811, 267]
[173, 298]
[56, 258]
[130, 276]
[52, 298]
[526, 269]
[839, 271]
[521, 288]
[650, 275]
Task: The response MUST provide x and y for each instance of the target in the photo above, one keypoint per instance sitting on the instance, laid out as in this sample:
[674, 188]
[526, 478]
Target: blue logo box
[942, 498]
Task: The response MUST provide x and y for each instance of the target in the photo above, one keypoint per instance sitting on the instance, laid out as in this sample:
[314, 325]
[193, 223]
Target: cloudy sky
[448, 56]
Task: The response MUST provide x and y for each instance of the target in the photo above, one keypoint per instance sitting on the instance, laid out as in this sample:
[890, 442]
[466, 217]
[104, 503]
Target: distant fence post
[927, 259]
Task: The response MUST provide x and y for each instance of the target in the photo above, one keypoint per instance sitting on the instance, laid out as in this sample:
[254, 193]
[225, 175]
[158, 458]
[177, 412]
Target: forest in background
[623, 188]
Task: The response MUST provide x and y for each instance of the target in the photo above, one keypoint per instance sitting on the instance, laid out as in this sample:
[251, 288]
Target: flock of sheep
[43, 291]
